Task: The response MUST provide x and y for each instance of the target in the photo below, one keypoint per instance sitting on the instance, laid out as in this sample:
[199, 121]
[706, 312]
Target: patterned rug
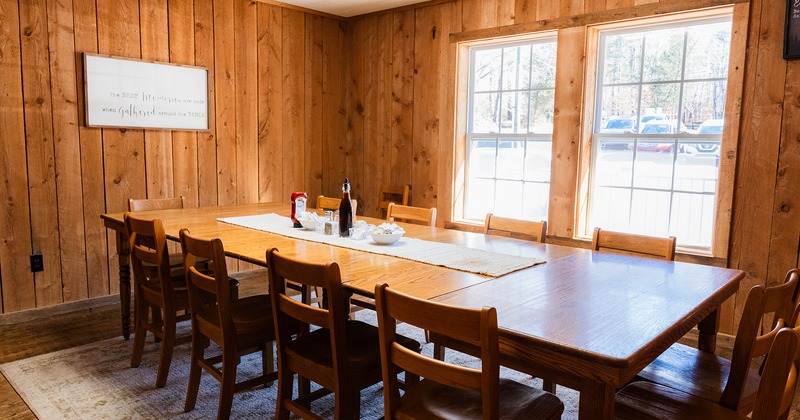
[96, 381]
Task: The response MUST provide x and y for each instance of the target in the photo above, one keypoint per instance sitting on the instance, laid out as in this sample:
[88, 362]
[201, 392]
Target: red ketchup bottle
[299, 199]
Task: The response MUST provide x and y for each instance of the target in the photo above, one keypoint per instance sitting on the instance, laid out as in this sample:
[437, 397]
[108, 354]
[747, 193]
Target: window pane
[613, 164]
[544, 65]
[510, 157]
[623, 57]
[525, 67]
[508, 112]
[541, 111]
[610, 208]
[523, 111]
[659, 102]
[536, 198]
[620, 102]
[650, 213]
[697, 167]
[537, 161]
[482, 157]
[653, 165]
[707, 51]
[663, 54]
[703, 101]
[485, 110]
[508, 200]
[486, 75]
[510, 60]
[693, 219]
[480, 198]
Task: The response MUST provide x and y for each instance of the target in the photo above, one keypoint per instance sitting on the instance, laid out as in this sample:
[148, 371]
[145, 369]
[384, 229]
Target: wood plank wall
[406, 119]
[276, 102]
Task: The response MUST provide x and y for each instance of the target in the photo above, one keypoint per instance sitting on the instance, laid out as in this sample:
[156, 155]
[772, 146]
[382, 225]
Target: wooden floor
[42, 332]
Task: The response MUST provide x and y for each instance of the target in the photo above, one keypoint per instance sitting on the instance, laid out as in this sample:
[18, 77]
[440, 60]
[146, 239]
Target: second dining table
[586, 320]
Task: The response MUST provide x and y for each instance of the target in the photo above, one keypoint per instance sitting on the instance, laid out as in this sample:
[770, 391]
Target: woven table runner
[441, 254]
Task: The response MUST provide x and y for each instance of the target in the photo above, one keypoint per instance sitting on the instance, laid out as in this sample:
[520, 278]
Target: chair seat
[252, 317]
[428, 399]
[363, 350]
[699, 373]
[645, 400]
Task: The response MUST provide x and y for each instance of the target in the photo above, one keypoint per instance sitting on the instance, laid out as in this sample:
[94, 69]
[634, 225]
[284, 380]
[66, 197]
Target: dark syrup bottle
[345, 211]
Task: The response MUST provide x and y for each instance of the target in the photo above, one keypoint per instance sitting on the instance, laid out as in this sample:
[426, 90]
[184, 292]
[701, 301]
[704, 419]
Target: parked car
[711, 127]
[660, 127]
[618, 125]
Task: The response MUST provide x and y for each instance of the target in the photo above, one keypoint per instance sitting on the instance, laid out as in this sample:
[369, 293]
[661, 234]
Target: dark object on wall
[791, 40]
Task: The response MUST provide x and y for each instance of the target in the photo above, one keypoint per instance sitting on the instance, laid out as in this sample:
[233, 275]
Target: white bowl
[386, 239]
[311, 224]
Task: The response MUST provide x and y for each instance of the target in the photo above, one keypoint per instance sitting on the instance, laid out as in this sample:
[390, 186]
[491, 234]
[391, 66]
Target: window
[659, 109]
[509, 129]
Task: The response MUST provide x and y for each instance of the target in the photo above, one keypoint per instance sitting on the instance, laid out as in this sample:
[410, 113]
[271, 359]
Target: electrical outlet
[37, 263]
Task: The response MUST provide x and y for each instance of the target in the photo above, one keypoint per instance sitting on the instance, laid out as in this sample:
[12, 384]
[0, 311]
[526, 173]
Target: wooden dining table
[586, 320]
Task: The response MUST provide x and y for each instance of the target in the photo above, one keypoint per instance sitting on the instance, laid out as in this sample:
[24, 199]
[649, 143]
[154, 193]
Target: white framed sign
[129, 93]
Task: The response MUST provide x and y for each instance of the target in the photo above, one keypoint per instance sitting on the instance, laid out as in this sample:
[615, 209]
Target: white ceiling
[348, 8]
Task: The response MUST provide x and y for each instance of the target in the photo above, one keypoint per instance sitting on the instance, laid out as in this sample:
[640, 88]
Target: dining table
[586, 320]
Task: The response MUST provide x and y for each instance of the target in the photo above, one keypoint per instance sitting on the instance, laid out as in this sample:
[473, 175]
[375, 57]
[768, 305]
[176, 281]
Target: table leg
[123, 250]
[596, 401]
[708, 328]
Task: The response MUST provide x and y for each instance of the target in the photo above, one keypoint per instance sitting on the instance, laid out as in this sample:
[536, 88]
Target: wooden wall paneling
[207, 188]
[313, 105]
[428, 46]
[123, 149]
[525, 11]
[356, 93]
[184, 143]
[402, 130]
[765, 73]
[157, 143]
[40, 150]
[479, 14]
[590, 6]
[447, 75]
[568, 111]
[377, 111]
[571, 8]
[270, 104]
[334, 108]
[639, 2]
[293, 65]
[505, 12]
[733, 109]
[91, 160]
[17, 288]
[225, 80]
[547, 9]
[618, 4]
[246, 59]
[63, 79]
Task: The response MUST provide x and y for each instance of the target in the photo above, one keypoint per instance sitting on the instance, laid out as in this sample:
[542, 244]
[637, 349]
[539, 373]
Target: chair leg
[228, 385]
[267, 361]
[139, 333]
[285, 385]
[198, 352]
[167, 347]
[549, 386]
[438, 351]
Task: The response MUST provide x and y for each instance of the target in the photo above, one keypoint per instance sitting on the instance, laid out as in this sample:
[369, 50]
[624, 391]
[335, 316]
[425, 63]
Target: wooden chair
[447, 390]
[392, 194]
[237, 326]
[731, 383]
[628, 243]
[147, 204]
[515, 228]
[640, 400]
[411, 214]
[342, 356]
[154, 288]
[332, 204]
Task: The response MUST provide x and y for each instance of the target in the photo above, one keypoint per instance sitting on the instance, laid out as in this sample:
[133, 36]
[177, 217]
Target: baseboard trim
[49, 311]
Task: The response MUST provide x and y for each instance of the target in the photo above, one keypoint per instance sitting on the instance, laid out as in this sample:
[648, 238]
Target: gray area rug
[96, 381]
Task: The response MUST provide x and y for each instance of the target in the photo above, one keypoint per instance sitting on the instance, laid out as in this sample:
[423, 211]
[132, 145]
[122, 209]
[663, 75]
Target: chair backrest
[289, 312]
[779, 381]
[148, 245]
[411, 214]
[392, 194]
[778, 300]
[143, 204]
[203, 284]
[331, 203]
[515, 228]
[628, 243]
[475, 326]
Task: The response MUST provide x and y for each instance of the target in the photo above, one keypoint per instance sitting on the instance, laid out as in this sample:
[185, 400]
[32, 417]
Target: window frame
[734, 90]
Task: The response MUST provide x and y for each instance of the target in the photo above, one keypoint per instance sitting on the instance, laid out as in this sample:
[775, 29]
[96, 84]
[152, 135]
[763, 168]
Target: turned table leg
[123, 250]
